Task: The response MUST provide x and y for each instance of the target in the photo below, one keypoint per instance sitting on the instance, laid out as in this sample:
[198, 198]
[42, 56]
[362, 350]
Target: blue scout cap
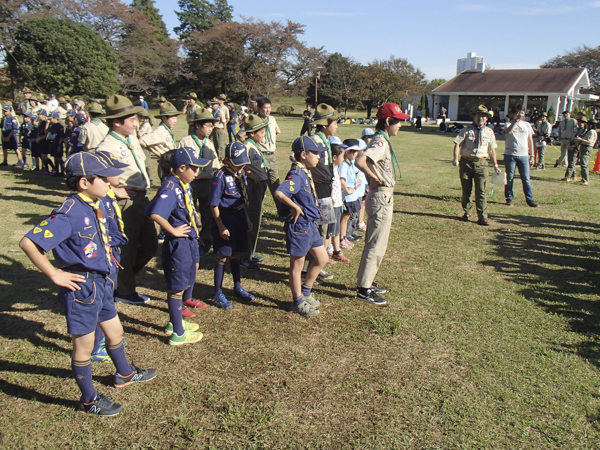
[43, 112]
[237, 153]
[80, 117]
[337, 141]
[54, 115]
[187, 156]
[367, 132]
[85, 163]
[30, 115]
[110, 159]
[71, 112]
[7, 108]
[307, 144]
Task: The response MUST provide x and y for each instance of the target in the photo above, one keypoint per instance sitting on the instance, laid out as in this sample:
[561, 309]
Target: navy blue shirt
[55, 134]
[297, 187]
[74, 140]
[169, 204]
[10, 123]
[24, 131]
[73, 234]
[226, 190]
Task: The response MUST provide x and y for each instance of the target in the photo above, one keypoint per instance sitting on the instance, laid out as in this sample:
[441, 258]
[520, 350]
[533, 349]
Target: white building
[468, 63]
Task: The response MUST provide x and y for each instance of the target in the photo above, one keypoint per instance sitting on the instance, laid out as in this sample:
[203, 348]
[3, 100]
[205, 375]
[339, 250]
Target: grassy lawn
[490, 338]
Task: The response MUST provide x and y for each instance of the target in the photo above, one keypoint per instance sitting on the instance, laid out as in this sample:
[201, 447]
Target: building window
[536, 105]
[467, 103]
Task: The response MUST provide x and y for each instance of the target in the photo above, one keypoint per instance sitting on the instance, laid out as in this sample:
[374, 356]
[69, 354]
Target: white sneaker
[361, 226]
[330, 249]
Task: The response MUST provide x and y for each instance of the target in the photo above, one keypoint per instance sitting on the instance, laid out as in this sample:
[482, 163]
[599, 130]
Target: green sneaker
[189, 337]
[304, 309]
[187, 326]
[312, 301]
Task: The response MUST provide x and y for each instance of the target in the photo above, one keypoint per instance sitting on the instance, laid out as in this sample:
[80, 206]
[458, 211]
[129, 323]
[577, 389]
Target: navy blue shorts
[236, 222]
[352, 207]
[300, 238]
[92, 304]
[179, 259]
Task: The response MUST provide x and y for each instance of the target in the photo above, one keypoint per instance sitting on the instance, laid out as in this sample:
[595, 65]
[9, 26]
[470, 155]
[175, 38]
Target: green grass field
[490, 338]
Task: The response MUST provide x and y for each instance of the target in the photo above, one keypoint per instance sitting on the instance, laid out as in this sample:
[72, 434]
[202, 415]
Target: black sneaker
[101, 405]
[509, 202]
[370, 296]
[138, 375]
[532, 203]
[378, 289]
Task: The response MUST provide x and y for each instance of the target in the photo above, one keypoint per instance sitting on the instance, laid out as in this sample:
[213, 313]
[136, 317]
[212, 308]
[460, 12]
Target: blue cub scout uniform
[227, 192]
[304, 234]
[179, 254]
[10, 123]
[24, 132]
[74, 236]
[74, 140]
[56, 133]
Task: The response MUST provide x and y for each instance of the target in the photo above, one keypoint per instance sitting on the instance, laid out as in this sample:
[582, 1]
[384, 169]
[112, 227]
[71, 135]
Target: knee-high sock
[236, 272]
[117, 354]
[219, 272]
[82, 372]
[188, 293]
[175, 307]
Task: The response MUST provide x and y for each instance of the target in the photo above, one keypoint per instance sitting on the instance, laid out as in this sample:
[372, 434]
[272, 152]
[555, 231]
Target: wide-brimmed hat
[204, 115]
[544, 114]
[67, 98]
[391, 110]
[483, 110]
[118, 106]
[592, 121]
[162, 100]
[214, 100]
[168, 109]
[254, 123]
[144, 113]
[324, 115]
[94, 107]
[27, 91]
[222, 97]
[582, 119]
[192, 95]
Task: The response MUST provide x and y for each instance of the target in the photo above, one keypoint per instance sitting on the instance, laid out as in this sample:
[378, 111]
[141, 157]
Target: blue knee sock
[117, 354]
[82, 372]
[98, 338]
[306, 290]
[298, 301]
[175, 307]
[219, 272]
[236, 273]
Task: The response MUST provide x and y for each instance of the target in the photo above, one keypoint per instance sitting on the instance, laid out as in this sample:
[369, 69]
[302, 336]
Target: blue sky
[433, 34]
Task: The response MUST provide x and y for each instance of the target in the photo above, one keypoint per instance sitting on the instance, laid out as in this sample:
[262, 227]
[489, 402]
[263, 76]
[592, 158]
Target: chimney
[480, 67]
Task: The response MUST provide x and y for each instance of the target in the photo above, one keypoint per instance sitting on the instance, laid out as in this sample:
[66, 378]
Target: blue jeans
[522, 163]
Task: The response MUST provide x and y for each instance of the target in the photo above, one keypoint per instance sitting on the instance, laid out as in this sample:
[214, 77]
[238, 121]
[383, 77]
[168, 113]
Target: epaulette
[66, 206]
[219, 173]
[170, 185]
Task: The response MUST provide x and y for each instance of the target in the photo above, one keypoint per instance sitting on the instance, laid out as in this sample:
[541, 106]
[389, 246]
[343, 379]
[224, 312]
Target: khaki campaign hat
[482, 109]
[67, 98]
[254, 123]
[27, 91]
[583, 119]
[144, 113]
[95, 107]
[162, 100]
[118, 106]
[192, 95]
[62, 100]
[204, 115]
[222, 97]
[592, 121]
[214, 101]
[168, 109]
[324, 115]
[544, 114]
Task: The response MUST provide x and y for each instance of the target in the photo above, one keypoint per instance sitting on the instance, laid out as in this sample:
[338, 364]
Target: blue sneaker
[101, 355]
[257, 258]
[221, 302]
[249, 264]
[244, 295]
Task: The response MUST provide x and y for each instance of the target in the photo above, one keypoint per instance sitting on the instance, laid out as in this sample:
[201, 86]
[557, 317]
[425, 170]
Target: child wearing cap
[33, 143]
[79, 236]
[173, 210]
[55, 135]
[350, 184]
[24, 132]
[10, 128]
[43, 143]
[228, 198]
[367, 135]
[333, 229]
[298, 197]
[74, 144]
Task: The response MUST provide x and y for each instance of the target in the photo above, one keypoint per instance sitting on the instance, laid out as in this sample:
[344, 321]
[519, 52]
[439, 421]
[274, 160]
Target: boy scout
[10, 128]
[131, 193]
[79, 236]
[543, 132]
[189, 109]
[94, 131]
[199, 140]
[473, 145]
[268, 144]
[218, 135]
[257, 176]
[377, 163]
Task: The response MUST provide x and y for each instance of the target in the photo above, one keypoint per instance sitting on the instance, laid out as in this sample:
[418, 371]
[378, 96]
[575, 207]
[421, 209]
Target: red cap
[391, 110]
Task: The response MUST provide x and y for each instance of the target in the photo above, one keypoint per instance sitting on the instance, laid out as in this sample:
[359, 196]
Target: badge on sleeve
[90, 250]
[86, 220]
[48, 234]
[37, 230]
[43, 223]
[380, 143]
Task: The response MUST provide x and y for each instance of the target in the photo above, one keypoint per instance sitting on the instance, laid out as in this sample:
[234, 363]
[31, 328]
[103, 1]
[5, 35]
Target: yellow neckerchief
[101, 223]
[189, 205]
[308, 174]
[171, 133]
[238, 175]
[118, 212]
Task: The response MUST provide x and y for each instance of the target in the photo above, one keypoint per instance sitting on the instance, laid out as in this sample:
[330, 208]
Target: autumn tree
[588, 57]
[36, 59]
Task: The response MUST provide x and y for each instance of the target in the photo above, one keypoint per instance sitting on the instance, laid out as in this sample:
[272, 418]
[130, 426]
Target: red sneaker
[193, 303]
[187, 313]
[340, 257]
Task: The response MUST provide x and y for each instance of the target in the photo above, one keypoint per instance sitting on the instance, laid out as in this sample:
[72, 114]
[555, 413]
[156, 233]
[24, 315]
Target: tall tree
[588, 57]
[154, 18]
[200, 15]
[84, 64]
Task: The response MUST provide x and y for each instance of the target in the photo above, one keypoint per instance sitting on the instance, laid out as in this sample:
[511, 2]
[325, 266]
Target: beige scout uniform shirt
[92, 133]
[145, 128]
[160, 140]
[269, 142]
[379, 153]
[322, 168]
[467, 140]
[190, 112]
[134, 175]
[222, 114]
[567, 128]
[207, 151]
[257, 164]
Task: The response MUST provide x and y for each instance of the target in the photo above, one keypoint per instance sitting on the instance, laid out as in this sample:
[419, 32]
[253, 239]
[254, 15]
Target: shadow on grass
[29, 394]
[558, 273]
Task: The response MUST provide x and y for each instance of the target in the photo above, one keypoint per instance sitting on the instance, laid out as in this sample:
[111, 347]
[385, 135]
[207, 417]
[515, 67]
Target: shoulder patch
[380, 143]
